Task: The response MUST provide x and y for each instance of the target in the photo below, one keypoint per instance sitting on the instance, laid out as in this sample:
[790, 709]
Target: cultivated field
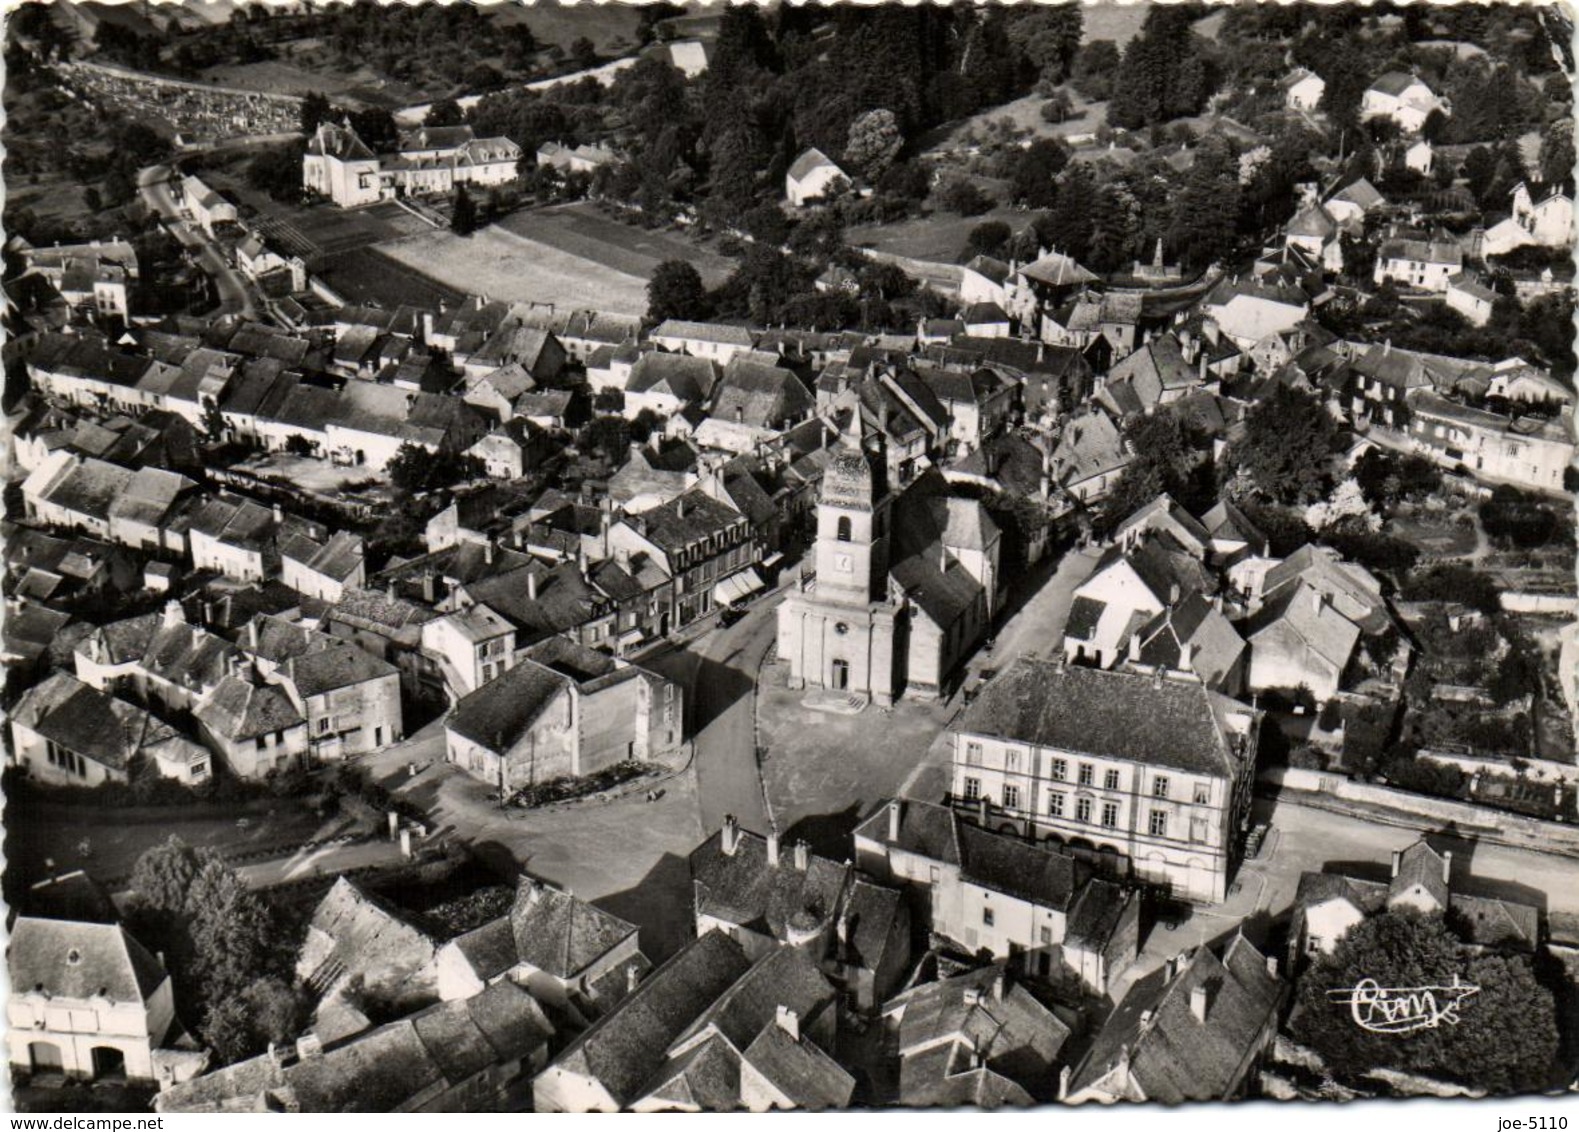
[279, 77]
[364, 275]
[512, 268]
[580, 230]
[1117, 22]
[1026, 114]
[938, 238]
[609, 26]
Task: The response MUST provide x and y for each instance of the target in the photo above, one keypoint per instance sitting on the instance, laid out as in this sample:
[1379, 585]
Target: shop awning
[737, 587]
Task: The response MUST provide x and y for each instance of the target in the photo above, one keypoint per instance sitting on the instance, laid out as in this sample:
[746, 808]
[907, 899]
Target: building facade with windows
[1146, 776]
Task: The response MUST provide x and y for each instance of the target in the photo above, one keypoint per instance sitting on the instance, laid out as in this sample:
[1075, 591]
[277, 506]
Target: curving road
[235, 297]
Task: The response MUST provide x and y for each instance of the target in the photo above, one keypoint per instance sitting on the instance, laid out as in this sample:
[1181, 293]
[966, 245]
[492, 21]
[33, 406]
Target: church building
[906, 583]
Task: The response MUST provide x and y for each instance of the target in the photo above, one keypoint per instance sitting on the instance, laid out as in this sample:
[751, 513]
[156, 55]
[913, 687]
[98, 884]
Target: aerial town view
[665, 557]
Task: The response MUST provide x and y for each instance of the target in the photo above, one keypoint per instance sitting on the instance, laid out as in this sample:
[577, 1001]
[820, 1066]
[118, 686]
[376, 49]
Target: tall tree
[1505, 1037]
[445, 112]
[1162, 75]
[1289, 439]
[1203, 231]
[873, 143]
[1557, 152]
[315, 109]
[1034, 170]
[675, 291]
[463, 216]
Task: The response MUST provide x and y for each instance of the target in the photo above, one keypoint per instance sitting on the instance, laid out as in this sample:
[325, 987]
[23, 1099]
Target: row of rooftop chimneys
[731, 842]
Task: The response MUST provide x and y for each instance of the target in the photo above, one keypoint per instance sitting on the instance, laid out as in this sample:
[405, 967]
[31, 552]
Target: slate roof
[1016, 868]
[352, 932]
[627, 1046]
[1394, 83]
[671, 531]
[564, 599]
[384, 1069]
[1300, 609]
[71, 896]
[799, 1069]
[759, 395]
[339, 142]
[1227, 523]
[91, 723]
[239, 710]
[809, 160]
[71, 959]
[1194, 637]
[1312, 220]
[685, 377]
[924, 520]
[500, 712]
[744, 888]
[1361, 193]
[1164, 514]
[1108, 714]
[720, 332]
[1422, 251]
[1173, 1056]
[784, 976]
[1058, 270]
[1482, 920]
[705, 1078]
[1350, 587]
[986, 1021]
[560, 934]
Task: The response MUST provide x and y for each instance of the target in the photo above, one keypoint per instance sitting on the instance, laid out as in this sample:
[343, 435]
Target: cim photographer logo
[1403, 1010]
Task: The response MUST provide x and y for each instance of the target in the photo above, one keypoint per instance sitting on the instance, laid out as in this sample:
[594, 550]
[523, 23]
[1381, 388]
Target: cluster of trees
[1166, 72]
[225, 947]
[1167, 458]
[773, 287]
[414, 470]
[1505, 1041]
[1287, 447]
[856, 83]
[449, 43]
[1519, 519]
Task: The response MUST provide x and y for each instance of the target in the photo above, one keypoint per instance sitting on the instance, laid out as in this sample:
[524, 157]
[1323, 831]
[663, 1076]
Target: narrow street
[235, 297]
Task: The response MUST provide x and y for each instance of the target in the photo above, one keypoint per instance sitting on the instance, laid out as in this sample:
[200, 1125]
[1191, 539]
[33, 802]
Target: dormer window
[73, 957]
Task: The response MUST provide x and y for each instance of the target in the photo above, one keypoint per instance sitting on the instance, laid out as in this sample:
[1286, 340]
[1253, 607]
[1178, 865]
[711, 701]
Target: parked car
[973, 689]
[729, 615]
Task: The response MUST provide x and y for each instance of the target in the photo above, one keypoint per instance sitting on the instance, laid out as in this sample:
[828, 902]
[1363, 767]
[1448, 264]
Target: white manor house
[432, 160]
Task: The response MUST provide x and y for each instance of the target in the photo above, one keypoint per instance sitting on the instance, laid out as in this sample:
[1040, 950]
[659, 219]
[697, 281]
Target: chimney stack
[1198, 1002]
[788, 1021]
[173, 614]
[487, 552]
[632, 978]
[730, 835]
[1447, 866]
[1398, 860]
[802, 856]
[998, 980]
[895, 813]
[773, 848]
[1271, 965]
[531, 585]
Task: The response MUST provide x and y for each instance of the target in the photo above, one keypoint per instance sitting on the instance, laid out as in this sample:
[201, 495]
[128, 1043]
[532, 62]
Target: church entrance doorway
[841, 676]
